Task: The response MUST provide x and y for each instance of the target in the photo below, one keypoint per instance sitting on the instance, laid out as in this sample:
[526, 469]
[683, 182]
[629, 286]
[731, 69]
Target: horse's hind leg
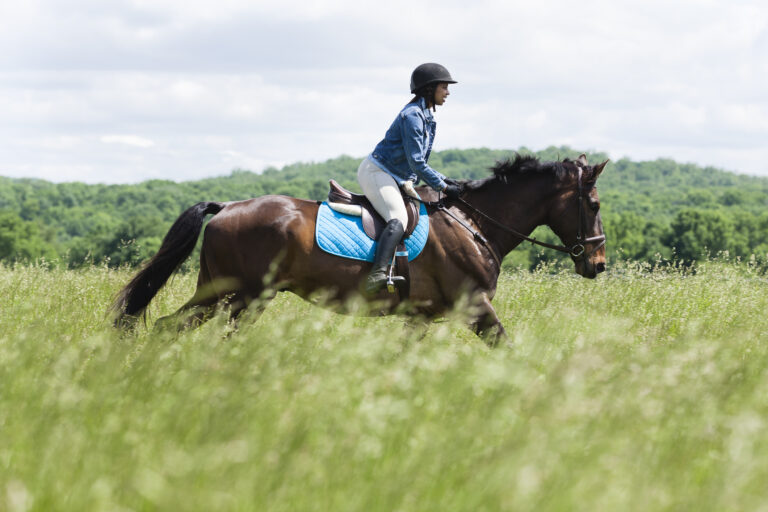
[238, 303]
[198, 309]
[192, 314]
[201, 308]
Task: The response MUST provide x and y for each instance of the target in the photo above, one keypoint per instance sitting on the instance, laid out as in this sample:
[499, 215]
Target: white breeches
[382, 191]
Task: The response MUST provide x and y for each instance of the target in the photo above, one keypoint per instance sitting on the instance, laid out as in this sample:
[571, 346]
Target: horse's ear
[598, 169]
[583, 159]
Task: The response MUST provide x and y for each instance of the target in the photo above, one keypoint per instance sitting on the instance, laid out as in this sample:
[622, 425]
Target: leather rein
[577, 251]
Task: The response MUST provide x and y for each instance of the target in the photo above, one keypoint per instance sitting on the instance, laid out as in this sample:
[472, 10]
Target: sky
[120, 91]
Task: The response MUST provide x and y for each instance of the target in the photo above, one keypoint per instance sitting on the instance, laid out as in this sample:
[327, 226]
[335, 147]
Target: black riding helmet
[430, 73]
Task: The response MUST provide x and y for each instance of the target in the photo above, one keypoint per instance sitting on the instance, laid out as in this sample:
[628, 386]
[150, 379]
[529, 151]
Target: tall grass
[646, 389]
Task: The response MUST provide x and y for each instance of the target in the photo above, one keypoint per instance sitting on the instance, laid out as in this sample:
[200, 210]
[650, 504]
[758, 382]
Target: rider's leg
[385, 250]
[382, 191]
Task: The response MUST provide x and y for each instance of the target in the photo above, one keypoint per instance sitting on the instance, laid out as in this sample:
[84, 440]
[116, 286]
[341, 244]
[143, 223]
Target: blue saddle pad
[343, 235]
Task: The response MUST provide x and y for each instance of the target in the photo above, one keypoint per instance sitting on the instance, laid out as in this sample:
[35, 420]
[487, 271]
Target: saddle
[344, 201]
[373, 223]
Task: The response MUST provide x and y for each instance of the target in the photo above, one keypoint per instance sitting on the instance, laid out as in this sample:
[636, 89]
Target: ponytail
[428, 93]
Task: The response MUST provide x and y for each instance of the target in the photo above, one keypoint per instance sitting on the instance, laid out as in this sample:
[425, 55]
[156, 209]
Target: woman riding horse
[402, 157]
[255, 248]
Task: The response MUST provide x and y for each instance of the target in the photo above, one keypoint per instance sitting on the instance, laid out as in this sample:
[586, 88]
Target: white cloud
[128, 140]
[132, 89]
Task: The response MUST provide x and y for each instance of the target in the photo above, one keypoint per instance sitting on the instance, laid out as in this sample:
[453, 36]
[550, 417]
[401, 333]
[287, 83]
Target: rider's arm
[412, 133]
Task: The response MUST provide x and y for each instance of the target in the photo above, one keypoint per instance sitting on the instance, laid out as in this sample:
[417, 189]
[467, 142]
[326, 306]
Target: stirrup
[392, 279]
[391, 283]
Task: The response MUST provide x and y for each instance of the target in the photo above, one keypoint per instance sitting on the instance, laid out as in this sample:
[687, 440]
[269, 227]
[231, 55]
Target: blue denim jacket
[407, 144]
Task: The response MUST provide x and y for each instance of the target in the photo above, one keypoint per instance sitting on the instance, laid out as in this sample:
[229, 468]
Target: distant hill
[651, 210]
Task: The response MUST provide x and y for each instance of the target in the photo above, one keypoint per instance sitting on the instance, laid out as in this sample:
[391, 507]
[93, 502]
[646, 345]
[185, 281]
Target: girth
[373, 223]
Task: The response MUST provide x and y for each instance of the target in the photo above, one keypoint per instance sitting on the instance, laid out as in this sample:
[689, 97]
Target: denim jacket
[407, 144]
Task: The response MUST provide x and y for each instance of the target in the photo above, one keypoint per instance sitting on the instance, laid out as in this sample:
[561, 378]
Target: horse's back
[278, 214]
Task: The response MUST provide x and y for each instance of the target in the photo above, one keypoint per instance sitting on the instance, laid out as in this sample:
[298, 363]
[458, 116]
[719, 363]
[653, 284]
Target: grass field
[636, 391]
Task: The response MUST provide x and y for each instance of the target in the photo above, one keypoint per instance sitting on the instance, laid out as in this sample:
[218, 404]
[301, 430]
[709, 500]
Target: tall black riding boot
[385, 250]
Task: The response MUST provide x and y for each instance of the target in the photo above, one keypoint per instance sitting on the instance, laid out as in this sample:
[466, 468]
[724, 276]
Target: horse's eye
[595, 206]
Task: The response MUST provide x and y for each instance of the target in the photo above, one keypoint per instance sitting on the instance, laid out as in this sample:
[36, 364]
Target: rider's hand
[452, 191]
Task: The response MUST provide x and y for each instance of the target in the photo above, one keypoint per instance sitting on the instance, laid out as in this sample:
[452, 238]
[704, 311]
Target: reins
[577, 250]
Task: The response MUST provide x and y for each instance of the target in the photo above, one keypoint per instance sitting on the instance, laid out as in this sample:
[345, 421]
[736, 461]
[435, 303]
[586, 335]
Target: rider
[401, 157]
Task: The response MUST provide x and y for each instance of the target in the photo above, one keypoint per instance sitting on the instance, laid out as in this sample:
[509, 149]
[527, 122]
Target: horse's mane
[520, 166]
[527, 164]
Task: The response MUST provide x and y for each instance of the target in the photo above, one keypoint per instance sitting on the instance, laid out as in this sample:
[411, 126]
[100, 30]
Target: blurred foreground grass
[637, 391]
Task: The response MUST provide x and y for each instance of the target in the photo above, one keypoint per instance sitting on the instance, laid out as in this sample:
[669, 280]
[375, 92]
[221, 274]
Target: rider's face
[441, 93]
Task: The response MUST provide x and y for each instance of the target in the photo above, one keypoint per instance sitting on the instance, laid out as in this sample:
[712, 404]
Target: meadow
[645, 389]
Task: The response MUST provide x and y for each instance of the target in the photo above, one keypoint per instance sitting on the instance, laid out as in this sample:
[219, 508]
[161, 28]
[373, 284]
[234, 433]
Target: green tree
[21, 240]
[647, 207]
[696, 233]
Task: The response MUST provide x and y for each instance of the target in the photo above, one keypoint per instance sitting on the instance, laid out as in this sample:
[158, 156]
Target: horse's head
[576, 216]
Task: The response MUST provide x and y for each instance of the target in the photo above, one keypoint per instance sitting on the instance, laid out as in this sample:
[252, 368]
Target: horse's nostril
[600, 267]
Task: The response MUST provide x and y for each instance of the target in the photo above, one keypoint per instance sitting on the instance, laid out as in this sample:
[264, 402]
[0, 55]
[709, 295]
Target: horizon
[326, 160]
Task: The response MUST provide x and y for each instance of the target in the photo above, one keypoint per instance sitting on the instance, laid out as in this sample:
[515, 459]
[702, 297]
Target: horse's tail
[177, 245]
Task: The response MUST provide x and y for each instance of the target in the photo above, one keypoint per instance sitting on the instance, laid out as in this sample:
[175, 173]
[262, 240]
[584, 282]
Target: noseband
[577, 251]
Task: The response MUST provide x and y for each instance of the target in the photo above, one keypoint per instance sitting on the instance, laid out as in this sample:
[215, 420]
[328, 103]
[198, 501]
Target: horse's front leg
[486, 323]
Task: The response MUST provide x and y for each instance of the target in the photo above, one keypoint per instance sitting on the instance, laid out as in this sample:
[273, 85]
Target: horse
[254, 248]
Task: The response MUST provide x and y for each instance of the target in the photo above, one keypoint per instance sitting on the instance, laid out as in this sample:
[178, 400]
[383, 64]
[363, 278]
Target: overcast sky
[127, 90]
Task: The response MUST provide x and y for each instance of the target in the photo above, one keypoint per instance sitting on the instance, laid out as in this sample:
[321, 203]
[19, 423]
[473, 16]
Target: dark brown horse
[253, 248]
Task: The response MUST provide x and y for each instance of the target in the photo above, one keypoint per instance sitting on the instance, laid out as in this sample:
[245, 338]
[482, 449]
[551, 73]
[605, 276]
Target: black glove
[451, 181]
[452, 191]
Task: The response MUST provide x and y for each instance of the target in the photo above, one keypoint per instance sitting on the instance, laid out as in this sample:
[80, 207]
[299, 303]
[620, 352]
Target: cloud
[132, 89]
[128, 140]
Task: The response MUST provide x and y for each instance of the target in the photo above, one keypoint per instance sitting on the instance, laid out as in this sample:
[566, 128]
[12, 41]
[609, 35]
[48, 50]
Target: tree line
[652, 210]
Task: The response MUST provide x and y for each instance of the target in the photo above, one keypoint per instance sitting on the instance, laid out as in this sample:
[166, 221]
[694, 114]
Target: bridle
[577, 251]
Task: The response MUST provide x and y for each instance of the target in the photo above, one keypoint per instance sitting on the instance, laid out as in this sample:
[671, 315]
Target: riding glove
[452, 191]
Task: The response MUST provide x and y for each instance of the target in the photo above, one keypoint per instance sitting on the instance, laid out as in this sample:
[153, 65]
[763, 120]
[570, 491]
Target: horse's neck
[520, 206]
